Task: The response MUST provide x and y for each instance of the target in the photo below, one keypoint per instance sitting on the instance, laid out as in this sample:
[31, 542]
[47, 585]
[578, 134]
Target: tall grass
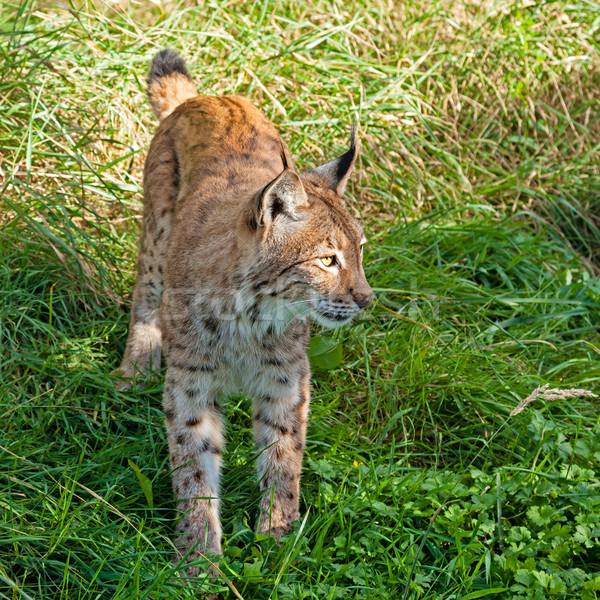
[478, 185]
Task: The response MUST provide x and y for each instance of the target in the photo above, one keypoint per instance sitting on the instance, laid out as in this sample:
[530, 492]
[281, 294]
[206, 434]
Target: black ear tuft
[335, 173]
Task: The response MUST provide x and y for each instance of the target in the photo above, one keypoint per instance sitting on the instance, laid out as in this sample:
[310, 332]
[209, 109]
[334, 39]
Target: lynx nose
[363, 297]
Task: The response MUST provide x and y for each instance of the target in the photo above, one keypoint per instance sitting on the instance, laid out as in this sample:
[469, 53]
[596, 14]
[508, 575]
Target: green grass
[479, 185]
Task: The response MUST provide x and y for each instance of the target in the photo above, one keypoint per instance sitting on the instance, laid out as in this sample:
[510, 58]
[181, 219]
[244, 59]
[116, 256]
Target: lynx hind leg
[144, 343]
[280, 433]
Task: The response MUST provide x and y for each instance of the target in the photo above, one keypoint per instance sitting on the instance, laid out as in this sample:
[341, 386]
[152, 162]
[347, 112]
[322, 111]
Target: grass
[479, 185]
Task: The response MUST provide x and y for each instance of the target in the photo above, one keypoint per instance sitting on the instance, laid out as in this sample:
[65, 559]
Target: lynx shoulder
[238, 253]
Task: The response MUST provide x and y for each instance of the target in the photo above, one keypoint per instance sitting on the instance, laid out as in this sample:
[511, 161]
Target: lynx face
[327, 279]
[312, 248]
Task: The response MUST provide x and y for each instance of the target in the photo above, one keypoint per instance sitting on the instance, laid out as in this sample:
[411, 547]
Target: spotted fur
[230, 272]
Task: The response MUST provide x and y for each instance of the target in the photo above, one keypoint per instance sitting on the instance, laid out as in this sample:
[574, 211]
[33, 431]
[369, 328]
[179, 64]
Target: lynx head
[309, 245]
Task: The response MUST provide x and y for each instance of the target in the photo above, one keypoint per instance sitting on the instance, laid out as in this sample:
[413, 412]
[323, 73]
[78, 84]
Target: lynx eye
[328, 260]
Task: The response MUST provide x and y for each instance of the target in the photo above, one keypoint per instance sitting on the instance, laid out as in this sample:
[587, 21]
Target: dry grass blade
[544, 392]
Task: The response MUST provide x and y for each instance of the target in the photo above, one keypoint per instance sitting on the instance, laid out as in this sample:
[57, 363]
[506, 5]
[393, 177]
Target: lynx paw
[270, 524]
[194, 576]
[123, 379]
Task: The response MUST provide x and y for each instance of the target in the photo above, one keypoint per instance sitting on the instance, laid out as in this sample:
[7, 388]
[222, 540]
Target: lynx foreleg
[195, 433]
[280, 433]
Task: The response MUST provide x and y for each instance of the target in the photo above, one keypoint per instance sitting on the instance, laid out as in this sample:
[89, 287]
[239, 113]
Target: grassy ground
[479, 184]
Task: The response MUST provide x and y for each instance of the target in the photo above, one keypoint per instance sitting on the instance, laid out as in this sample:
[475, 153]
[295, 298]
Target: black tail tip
[167, 61]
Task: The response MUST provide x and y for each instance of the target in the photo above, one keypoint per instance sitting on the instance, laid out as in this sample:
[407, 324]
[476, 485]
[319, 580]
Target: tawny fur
[233, 262]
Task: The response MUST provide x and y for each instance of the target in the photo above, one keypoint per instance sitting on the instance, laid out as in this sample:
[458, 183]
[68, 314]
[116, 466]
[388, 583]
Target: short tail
[169, 83]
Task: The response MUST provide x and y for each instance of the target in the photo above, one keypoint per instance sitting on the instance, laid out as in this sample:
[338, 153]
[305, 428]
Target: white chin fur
[330, 323]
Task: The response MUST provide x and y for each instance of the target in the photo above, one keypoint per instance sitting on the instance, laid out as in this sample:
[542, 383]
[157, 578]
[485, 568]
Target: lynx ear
[335, 173]
[284, 196]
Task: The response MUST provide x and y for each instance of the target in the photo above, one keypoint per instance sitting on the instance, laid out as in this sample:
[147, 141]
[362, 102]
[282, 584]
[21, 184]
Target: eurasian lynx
[238, 252]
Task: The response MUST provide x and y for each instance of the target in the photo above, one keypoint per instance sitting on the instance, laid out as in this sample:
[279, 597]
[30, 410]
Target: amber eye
[328, 260]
